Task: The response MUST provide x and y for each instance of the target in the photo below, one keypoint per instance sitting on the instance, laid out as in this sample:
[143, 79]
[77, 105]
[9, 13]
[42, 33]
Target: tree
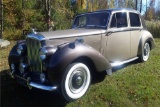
[18, 19]
[150, 13]
[130, 4]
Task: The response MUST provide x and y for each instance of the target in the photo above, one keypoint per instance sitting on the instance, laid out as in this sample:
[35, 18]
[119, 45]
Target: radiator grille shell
[33, 47]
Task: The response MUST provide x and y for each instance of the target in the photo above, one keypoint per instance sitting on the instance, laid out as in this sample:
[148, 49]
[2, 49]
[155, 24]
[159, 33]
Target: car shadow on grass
[101, 76]
[15, 95]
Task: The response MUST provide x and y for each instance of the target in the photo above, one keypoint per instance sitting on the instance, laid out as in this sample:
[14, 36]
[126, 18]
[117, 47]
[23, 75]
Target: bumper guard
[35, 85]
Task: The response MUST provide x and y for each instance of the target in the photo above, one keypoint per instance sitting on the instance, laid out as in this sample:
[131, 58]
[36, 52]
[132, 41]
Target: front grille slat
[33, 46]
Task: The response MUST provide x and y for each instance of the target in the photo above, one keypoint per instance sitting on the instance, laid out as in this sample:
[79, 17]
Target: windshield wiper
[95, 26]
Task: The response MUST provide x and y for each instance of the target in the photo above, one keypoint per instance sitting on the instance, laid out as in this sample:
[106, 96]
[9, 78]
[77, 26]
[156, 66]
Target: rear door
[135, 26]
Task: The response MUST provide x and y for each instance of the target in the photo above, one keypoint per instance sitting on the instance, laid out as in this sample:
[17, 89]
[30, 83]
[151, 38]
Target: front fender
[66, 55]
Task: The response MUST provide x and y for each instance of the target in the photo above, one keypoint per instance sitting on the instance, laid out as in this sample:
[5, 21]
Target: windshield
[92, 20]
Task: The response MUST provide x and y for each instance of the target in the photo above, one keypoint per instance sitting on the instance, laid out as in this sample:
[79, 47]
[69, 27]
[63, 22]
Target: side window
[119, 20]
[82, 21]
[134, 20]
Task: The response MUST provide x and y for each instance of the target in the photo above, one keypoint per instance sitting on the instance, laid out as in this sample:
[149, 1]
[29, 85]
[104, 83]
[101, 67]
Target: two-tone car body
[66, 59]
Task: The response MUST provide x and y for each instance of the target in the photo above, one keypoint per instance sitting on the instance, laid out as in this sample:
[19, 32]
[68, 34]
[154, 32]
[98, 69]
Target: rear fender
[145, 37]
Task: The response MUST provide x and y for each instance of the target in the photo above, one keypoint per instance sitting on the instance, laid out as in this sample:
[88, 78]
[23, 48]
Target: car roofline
[113, 10]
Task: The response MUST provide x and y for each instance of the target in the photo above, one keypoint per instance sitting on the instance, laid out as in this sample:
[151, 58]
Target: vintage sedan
[65, 60]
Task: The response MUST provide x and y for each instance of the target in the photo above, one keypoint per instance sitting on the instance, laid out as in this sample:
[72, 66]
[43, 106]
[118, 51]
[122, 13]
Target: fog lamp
[42, 77]
[22, 67]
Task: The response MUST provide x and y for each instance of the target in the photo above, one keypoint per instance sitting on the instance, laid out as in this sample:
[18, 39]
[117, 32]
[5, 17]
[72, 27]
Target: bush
[12, 34]
[154, 28]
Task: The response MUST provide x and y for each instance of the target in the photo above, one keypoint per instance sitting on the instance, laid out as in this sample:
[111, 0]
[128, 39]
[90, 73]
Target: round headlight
[19, 49]
[43, 54]
[42, 77]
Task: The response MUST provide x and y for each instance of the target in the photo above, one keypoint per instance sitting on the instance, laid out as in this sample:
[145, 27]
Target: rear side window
[119, 20]
[134, 20]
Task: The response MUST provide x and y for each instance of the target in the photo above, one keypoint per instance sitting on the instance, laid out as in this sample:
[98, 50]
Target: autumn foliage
[22, 15]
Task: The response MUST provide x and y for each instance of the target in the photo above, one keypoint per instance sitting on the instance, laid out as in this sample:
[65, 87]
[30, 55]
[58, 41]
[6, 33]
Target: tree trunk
[1, 3]
[136, 5]
[146, 10]
[48, 13]
[140, 6]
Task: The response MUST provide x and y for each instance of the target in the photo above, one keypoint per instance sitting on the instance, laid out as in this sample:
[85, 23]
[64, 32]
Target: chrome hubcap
[77, 80]
[146, 51]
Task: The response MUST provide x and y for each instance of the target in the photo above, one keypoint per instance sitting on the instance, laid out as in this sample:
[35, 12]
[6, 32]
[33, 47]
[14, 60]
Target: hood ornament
[34, 31]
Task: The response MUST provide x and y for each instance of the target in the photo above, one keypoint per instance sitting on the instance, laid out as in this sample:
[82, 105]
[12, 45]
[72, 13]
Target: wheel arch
[88, 62]
[146, 37]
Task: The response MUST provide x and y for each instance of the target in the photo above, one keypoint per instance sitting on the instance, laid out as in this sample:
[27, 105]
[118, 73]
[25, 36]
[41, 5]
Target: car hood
[69, 33]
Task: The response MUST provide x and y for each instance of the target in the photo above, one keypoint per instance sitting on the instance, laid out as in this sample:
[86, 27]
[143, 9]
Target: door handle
[109, 33]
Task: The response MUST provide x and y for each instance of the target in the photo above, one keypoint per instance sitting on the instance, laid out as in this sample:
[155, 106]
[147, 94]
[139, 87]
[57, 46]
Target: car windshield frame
[90, 24]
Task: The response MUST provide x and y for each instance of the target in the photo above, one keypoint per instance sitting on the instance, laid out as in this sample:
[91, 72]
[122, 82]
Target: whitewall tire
[75, 81]
[145, 52]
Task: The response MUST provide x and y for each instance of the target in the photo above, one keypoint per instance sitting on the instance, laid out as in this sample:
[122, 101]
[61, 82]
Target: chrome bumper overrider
[43, 87]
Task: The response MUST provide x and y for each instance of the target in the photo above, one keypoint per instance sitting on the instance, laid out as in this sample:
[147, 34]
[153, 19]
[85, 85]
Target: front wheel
[145, 52]
[75, 81]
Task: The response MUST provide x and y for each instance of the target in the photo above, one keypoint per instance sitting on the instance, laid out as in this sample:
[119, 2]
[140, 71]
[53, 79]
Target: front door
[118, 38]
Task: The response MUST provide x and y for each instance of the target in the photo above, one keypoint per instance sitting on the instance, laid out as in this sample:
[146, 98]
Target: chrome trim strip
[43, 87]
[120, 63]
[78, 35]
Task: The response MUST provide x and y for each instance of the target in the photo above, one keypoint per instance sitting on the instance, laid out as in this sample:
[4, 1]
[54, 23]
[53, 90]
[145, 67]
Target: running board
[120, 63]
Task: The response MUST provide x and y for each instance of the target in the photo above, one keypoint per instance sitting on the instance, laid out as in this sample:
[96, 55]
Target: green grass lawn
[131, 85]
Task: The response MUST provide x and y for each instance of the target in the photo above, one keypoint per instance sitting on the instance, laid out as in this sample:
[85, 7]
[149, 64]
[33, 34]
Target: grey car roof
[115, 9]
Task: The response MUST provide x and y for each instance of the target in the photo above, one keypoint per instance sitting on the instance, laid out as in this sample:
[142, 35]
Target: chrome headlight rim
[43, 53]
[19, 49]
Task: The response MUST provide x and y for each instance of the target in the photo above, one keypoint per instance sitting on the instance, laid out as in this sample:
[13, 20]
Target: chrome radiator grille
[33, 46]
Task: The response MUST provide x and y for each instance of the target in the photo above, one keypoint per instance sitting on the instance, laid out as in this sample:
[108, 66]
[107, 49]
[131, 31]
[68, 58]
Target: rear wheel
[145, 52]
[75, 81]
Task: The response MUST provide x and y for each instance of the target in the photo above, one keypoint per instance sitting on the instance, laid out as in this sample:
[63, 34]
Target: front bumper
[42, 87]
[31, 84]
